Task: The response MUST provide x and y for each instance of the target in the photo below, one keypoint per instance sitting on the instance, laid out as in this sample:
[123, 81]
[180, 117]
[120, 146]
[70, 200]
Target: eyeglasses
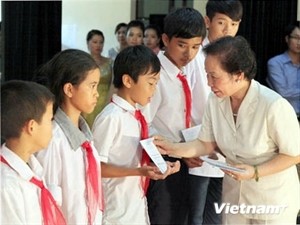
[295, 37]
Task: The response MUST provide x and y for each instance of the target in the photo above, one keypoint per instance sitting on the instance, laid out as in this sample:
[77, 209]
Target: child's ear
[207, 22]
[68, 87]
[165, 39]
[127, 81]
[29, 126]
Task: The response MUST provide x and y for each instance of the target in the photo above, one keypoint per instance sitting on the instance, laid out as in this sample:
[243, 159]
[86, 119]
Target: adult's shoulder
[281, 58]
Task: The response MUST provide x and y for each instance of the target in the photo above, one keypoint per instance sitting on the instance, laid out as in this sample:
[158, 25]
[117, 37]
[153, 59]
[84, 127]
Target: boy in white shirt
[170, 110]
[117, 133]
[26, 127]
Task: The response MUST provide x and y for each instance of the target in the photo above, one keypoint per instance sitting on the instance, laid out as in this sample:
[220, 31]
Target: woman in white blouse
[256, 129]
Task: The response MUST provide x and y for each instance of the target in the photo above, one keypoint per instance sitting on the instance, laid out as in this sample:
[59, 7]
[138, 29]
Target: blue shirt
[284, 78]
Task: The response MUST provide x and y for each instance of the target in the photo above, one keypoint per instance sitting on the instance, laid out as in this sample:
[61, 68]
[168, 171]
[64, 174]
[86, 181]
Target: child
[169, 110]
[135, 32]
[222, 18]
[26, 125]
[71, 161]
[117, 133]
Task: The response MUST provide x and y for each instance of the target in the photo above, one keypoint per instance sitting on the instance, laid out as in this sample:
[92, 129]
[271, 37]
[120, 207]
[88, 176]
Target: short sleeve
[104, 130]
[283, 127]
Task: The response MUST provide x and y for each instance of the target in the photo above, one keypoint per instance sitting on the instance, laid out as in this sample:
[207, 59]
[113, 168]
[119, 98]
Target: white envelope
[154, 154]
[221, 165]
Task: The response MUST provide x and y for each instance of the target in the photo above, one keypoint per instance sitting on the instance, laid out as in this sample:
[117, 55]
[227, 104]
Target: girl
[71, 160]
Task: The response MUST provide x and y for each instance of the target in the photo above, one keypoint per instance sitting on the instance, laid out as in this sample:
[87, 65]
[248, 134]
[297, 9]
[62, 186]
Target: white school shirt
[200, 91]
[166, 111]
[20, 199]
[266, 124]
[117, 134]
[64, 163]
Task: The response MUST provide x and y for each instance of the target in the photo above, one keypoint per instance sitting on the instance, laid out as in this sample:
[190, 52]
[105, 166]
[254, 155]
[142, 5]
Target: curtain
[263, 25]
[32, 35]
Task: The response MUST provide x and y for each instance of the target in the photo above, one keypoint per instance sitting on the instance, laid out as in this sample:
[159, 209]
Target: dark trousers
[204, 192]
[168, 199]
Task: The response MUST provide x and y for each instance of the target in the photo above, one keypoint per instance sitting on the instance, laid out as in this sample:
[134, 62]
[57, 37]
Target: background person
[152, 37]
[135, 32]
[95, 43]
[284, 69]
[120, 32]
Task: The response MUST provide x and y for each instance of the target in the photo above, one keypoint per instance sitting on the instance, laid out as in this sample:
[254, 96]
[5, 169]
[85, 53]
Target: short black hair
[22, 101]
[134, 61]
[136, 23]
[184, 23]
[232, 8]
[154, 27]
[235, 55]
[289, 29]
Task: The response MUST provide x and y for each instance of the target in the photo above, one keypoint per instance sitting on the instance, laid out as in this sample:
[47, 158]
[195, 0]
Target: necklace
[234, 114]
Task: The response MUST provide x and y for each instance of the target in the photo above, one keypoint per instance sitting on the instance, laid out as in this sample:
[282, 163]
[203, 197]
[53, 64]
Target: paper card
[191, 133]
[154, 154]
[221, 165]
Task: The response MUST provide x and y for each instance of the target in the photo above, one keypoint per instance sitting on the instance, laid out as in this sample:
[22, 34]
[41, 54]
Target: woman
[152, 38]
[256, 129]
[135, 33]
[95, 43]
[120, 32]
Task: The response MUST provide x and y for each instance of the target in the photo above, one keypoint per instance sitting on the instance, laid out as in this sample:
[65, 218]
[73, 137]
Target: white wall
[80, 16]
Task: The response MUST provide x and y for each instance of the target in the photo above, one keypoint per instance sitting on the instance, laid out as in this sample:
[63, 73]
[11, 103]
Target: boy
[170, 108]
[117, 132]
[222, 18]
[26, 128]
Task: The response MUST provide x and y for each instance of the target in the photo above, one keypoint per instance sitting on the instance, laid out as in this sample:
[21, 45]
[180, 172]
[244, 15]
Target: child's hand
[193, 162]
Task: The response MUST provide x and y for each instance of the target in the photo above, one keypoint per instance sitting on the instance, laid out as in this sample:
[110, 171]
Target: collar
[286, 58]
[123, 104]
[74, 135]
[17, 164]
[171, 70]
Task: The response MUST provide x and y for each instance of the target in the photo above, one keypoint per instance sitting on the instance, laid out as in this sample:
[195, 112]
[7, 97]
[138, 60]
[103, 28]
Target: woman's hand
[248, 174]
[164, 146]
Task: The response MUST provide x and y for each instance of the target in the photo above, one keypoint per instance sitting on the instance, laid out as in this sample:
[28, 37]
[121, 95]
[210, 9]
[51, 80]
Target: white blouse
[266, 125]
[64, 163]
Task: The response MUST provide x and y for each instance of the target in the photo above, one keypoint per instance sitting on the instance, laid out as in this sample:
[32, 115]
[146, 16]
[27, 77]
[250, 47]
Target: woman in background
[95, 43]
[152, 37]
[120, 32]
[135, 32]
